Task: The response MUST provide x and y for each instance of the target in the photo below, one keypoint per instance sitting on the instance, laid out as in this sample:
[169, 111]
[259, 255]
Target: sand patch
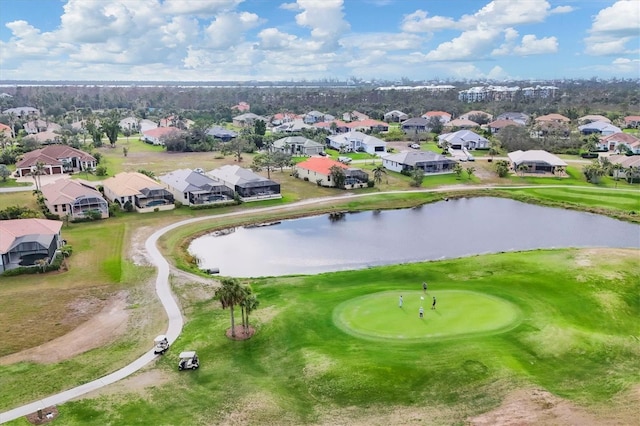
[99, 330]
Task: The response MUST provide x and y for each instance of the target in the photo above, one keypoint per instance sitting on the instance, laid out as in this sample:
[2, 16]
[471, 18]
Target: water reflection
[435, 231]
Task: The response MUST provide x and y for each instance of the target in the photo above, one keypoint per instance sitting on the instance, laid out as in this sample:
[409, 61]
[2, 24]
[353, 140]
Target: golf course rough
[458, 313]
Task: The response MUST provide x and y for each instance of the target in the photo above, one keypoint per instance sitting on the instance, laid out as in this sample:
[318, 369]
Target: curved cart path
[170, 305]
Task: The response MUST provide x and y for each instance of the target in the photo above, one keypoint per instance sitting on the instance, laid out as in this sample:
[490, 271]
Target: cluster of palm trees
[598, 168]
[231, 294]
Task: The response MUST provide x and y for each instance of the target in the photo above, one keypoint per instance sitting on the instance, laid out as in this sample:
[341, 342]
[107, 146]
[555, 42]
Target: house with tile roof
[518, 117]
[368, 125]
[154, 136]
[536, 161]
[249, 186]
[461, 123]
[612, 142]
[291, 126]
[318, 170]
[477, 113]
[554, 118]
[630, 166]
[443, 116]
[298, 146]
[6, 131]
[632, 121]
[193, 189]
[25, 241]
[56, 159]
[429, 162]
[357, 142]
[590, 118]
[354, 116]
[70, 197]
[138, 191]
[497, 125]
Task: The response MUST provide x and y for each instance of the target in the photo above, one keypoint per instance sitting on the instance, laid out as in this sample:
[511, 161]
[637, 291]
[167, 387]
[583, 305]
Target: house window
[64, 207]
[55, 208]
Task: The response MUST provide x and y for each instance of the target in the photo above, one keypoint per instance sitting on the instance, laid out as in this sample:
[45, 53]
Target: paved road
[171, 307]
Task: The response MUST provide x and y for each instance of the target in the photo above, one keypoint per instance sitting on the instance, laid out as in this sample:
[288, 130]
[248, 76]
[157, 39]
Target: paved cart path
[171, 307]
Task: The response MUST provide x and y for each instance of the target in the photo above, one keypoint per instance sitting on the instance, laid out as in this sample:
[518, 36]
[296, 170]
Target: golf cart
[188, 361]
[161, 344]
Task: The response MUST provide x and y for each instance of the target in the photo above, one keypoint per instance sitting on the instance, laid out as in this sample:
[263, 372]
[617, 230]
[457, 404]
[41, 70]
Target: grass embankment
[578, 339]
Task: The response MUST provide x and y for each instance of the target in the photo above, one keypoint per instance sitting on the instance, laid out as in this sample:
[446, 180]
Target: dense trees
[513, 138]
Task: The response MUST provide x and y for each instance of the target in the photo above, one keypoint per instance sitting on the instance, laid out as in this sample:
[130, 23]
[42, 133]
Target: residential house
[241, 107]
[155, 136]
[443, 116]
[249, 186]
[138, 191]
[553, 118]
[146, 124]
[354, 116]
[614, 141]
[464, 139]
[176, 121]
[22, 112]
[131, 124]
[628, 163]
[333, 126]
[536, 161]
[497, 125]
[6, 131]
[415, 125]
[484, 116]
[56, 159]
[357, 142]
[599, 127]
[632, 121]
[593, 117]
[225, 135]
[36, 126]
[518, 117]
[395, 116]
[298, 146]
[248, 119]
[283, 117]
[46, 137]
[192, 188]
[316, 116]
[291, 127]
[318, 170]
[461, 123]
[429, 162]
[25, 241]
[70, 197]
[368, 125]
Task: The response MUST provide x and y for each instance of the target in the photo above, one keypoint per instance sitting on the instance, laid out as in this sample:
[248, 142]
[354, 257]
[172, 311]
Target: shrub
[101, 171]
[177, 203]
[214, 206]
[370, 184]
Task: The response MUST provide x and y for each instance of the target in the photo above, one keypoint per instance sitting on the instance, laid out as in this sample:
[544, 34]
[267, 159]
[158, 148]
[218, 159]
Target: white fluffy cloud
[470, 44]
[228, 29]
[613, 29]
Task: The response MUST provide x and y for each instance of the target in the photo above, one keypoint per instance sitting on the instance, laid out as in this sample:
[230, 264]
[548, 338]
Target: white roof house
[537, 161]
[358, 141]
[464, 139]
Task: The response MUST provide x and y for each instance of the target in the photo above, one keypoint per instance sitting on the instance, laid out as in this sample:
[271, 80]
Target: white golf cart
[188, 361]
[161, 344]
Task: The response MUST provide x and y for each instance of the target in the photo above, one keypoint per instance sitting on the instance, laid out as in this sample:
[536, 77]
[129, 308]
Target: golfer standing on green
[400, 302]
[433, 305]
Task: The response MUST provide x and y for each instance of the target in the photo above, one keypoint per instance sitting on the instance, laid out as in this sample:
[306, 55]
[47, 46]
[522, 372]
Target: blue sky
[195, 40]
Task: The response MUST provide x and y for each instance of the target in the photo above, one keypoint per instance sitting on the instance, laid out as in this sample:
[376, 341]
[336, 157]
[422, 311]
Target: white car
[414, 146]
[345, 160]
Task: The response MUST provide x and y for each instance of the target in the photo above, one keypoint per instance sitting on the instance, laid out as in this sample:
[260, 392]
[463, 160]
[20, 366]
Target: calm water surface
[435, 231]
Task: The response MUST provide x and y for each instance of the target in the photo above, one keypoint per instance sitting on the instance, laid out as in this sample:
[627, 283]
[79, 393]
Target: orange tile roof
[320, 165]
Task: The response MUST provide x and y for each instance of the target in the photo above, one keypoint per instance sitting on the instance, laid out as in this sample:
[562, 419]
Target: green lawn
[577, 338]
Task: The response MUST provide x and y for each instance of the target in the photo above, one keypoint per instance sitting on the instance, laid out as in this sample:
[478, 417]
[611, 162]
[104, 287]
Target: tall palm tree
[37, 172]
[378, 171]
[230, 294]
[471, 171]
[616, 169]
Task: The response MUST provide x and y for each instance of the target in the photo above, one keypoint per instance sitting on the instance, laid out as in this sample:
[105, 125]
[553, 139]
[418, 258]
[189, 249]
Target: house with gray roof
[519, 117]
[22, 112]
[415, 125]
[316, 117]
[225, 135]
[464, 139]
[395, 116]
[429, 162]
[298, 145]
[193, 188]
[247, 119]
[357, 142]
[599, 127]
[248, 185]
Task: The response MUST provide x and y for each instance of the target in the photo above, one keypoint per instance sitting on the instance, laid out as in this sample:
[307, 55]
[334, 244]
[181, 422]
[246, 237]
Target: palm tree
[378, 171]
[42, 263]
[457, 169]
[523, 168]
[37, 172]
[471, 171]
[249, 304]
[616, 169]
[230, 294]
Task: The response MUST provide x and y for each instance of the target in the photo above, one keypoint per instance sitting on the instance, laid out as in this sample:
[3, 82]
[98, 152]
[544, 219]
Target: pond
[455, 228]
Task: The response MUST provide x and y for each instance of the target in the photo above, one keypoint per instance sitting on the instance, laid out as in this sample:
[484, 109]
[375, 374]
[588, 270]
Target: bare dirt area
[138, 384]
[539, 407]
[100, 329]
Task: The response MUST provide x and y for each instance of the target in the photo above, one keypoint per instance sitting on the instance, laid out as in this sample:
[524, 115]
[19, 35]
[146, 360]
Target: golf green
[458, 313]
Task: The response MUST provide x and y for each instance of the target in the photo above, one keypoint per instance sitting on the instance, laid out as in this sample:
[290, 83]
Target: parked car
[345, 160]
[199, 170]
[415, 146]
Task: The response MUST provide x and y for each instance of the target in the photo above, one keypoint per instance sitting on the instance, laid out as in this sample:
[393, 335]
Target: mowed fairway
[458, 313]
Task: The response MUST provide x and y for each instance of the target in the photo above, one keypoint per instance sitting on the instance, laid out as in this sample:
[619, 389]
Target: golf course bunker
[458, 313]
